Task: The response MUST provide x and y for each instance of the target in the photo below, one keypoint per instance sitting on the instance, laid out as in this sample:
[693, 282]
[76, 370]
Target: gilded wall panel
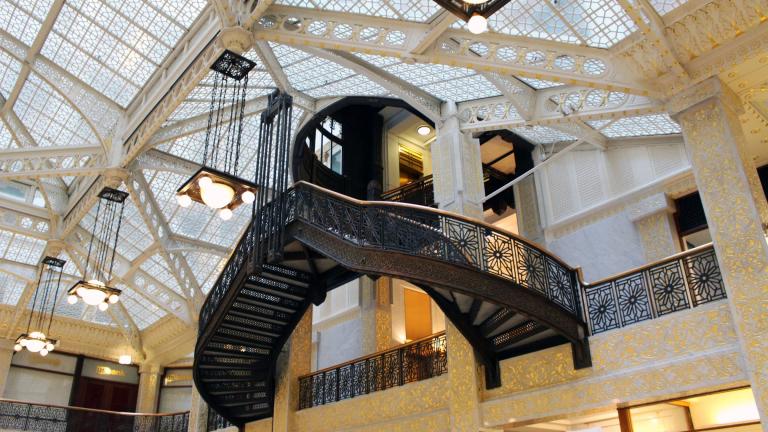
[657, 235]
[690, 351]
[411, 400]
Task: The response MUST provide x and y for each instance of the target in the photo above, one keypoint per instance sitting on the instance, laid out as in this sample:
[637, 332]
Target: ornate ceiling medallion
[36, 339]
[217, 184]
[93, 289]
[474, 12]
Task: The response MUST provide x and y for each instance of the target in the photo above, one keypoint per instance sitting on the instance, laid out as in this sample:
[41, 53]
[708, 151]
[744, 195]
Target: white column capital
[649, 206]
[712, 88]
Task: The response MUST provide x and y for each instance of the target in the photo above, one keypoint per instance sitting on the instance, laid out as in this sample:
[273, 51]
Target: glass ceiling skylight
[23, 18]
[207, 268]
[318, 77]
[444, 82]
[115, 46]
[10, 289]
[539, 84]
[50, 119]
[20, 248]
[409, 10]
[9, 71]
[6, 139]
[597, 23]
[657, 124]
[542, 134]
[143, 312]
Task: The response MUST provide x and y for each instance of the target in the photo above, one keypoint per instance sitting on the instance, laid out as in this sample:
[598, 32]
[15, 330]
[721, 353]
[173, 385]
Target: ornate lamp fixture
[93, 289]
[36, 339]
[217, 184]
[474, 12]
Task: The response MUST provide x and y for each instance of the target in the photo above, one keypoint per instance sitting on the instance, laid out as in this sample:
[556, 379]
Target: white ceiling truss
[90, 96]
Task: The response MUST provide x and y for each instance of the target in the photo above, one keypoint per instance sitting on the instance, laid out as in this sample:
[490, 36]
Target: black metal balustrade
[215, 421]
[444, 236]
[676, 283]
[411, 230]
[420, 192]
[415, 361]
[26, 416]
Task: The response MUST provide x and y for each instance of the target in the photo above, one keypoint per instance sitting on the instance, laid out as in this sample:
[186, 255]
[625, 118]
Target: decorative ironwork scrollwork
[416, 361]
[682, 282]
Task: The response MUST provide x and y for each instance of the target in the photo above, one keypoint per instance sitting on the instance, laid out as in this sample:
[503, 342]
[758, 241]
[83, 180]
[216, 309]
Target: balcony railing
[27, 416]
[420, 192]
[215, 421]
[415, 361]
[673, 284]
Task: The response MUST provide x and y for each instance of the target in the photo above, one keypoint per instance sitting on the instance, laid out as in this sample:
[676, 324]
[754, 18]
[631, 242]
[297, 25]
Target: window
[691, 222]
[327, 144]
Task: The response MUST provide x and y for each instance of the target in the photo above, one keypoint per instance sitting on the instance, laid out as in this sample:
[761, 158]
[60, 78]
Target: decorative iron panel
[22, 416]
[409, 363]
[686, 281]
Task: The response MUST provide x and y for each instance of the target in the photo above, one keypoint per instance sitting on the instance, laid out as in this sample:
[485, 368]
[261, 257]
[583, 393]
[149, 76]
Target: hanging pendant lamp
[37, 337]
[217, 184]
[93, 289]
[474, 12]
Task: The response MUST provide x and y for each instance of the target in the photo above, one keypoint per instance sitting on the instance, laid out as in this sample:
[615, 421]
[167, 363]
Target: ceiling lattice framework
[124, 84]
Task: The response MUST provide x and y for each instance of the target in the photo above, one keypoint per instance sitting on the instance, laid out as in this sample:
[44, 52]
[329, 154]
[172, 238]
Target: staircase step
[287, 273]
[232, 387]
[236, 348]
[212, 375]
[251, 410]
[278, 288]
[266, 331]
[229, 361]
[240, 399]
[263, 314]
[517, 334]
[258, 298]
[495, 321]
[244, 346]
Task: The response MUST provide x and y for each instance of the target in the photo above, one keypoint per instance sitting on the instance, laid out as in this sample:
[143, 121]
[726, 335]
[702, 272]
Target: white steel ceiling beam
[509, 55]
[33, 51]
[100, 112]
[150, 212]
[495, 113]
[168, 93]
[183, 244]
[268, 58]
[25, 220]
[416, 97]
[155, 159]
[40, 162]
[438, 26]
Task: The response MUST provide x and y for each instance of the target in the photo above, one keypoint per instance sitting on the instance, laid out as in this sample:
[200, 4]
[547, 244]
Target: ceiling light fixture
[424, 130]
[474, 12]
[217, 184]
[93, 289]
[47, 293]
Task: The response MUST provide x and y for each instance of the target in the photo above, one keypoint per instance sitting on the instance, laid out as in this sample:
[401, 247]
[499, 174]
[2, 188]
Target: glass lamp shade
[477, 24]
[91, 296]
[36, 342]
[103, 306]
[215, 195]
[184, 200]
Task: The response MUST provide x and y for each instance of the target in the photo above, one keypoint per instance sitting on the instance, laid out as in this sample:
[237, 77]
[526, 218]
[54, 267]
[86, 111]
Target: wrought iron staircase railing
[415, 361]
[676, 283]
[29, 416]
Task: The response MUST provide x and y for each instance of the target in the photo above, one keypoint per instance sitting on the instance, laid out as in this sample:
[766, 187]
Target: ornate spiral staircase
[504, 294]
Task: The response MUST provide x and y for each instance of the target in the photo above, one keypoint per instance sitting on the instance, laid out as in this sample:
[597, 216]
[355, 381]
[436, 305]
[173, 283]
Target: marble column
[652, 217]
[6, 355]
[292, 363]
[737, 215]
[457, 169]
[198, 413]
[458, 177]
[376, 314]
[149, 388]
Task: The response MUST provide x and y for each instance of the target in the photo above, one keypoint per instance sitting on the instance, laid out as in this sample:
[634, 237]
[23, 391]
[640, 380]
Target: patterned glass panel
[657, 124]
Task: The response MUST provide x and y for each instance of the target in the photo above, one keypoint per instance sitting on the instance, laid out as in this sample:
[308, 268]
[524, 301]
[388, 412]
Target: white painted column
[737, 215]
[457, 171]
[652, 217]
[149, 388]
[198, 413]
[6, 355]
[457, 168]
